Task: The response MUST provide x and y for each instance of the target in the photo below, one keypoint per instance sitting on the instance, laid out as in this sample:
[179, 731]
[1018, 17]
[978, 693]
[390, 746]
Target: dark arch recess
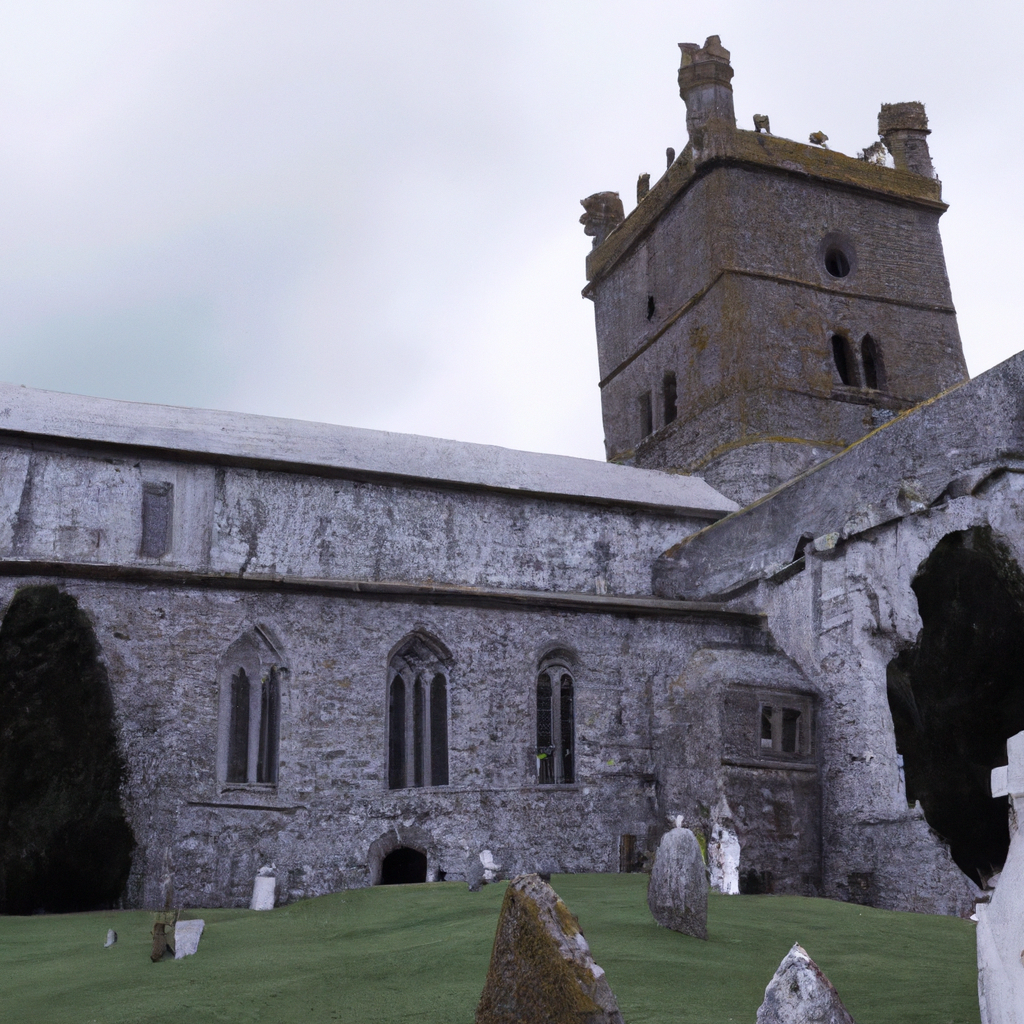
[959, 693]
[64, 842]
[403, 866]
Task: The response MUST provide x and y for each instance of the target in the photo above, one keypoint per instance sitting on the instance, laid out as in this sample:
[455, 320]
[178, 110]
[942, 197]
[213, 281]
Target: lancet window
[555, 721]
[418, 683]
[250, 679]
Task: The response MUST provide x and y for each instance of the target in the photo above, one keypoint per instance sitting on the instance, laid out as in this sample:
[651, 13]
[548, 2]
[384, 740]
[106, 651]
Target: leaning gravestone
[677, 892]
[541, 969]
[799, 993]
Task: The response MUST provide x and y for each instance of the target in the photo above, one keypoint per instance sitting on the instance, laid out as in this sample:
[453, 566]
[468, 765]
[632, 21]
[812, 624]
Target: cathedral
[787, 608]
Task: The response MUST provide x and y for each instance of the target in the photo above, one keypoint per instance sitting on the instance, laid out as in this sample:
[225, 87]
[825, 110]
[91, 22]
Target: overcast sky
[368, 214]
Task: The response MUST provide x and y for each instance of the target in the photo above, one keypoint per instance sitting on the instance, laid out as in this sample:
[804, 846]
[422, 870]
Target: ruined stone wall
[847, 612]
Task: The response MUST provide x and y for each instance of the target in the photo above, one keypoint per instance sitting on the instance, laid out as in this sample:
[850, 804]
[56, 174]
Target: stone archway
[958, 693]
[403, 866]
[403, 850]
[64, 842]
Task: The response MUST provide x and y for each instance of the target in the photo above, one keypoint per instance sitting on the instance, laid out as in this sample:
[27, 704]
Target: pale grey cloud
[368, 214]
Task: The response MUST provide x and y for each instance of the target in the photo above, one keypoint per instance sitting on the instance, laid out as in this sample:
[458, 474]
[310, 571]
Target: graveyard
[391, 954]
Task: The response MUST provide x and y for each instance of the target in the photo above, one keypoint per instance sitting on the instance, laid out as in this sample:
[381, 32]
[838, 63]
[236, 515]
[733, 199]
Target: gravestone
[541, 970]
[1000, 934]
[799, 993]
[263, 889]
[186, 937]
[677, 893]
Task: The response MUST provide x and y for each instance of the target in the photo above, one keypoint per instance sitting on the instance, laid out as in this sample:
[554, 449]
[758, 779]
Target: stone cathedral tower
[768, 302]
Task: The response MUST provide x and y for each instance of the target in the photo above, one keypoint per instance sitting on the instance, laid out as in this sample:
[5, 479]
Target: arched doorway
[958, 693]
[403, 866]
[64, 842]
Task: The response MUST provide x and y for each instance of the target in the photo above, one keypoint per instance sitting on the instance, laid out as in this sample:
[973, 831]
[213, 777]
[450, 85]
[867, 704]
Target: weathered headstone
[263, 889]
[1001, 922]
[677, 892]
[111, 938]
[186, 937]
[541, 969]
[799, 993]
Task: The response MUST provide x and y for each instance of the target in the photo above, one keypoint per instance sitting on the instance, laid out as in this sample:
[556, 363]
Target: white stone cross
[1001, 921]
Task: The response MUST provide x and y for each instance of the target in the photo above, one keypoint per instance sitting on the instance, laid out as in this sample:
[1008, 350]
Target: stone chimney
[904, 130]
[704, 84]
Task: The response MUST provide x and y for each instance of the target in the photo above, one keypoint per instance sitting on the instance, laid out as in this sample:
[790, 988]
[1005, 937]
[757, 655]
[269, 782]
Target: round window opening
[837, 263]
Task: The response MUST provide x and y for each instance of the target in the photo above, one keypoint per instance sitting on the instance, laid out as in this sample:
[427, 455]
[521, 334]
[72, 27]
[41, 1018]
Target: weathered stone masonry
[362, 656]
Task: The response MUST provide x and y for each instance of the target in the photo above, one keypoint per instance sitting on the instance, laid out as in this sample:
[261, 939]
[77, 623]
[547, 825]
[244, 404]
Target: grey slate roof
[273, 441]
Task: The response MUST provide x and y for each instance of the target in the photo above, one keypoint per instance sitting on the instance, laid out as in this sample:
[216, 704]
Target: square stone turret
[769, 302]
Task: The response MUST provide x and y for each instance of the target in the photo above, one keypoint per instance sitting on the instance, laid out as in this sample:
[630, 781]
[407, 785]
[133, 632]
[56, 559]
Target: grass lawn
[420, 953]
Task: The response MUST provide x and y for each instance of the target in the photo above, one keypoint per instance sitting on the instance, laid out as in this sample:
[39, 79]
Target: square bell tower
[768, 302]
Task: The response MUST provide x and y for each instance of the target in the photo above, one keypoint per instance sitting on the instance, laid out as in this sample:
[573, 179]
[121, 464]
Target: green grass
[420, 953]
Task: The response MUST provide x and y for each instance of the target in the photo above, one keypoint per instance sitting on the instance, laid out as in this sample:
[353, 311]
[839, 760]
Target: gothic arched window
[556, 734]
[249, 678]
[418, 674]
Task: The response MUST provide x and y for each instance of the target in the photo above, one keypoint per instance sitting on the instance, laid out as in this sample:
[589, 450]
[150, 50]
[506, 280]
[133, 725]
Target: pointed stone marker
[799, 993]
[541, 969]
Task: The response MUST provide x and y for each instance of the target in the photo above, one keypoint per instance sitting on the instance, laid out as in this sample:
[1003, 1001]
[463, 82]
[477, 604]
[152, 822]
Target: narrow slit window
[545, 749]
[417, 733]
[841, 357]
[396, 734]
[566, 731]
[270, 705]
[669, 396]
[439, 731]
[238, 735]
[650, 307]
[874, 377]
[646, 416]
[766, 727]
[157, 506]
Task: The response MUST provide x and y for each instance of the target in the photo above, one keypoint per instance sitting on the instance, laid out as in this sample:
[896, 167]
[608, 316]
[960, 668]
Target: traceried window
[418, 676]
[250, 678]
[555, 721]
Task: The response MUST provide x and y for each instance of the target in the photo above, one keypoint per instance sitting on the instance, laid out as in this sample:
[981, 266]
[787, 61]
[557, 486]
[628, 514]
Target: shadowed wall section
[64, 842]
[959, 692]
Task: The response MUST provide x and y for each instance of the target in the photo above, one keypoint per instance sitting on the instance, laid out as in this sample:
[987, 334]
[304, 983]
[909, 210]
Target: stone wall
[331, 812]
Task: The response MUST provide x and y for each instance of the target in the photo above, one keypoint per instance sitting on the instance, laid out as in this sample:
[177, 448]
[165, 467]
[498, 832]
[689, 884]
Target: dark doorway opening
[64, 842]
[403, 866]
[958, 693]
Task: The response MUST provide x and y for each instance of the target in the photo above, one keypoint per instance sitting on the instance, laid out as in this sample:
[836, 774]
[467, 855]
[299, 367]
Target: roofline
[31, 416]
